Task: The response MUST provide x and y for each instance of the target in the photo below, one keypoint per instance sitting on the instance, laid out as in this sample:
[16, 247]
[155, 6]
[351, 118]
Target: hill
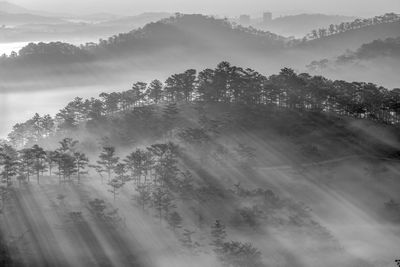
[350, 36]
[300, 25]
[227, 171]
[133, 22]
[10, 19]
[198, 39]
[12, 8]
[376, 62]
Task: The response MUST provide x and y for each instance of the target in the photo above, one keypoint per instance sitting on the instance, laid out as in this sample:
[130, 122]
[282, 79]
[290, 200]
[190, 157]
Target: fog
[233, 157]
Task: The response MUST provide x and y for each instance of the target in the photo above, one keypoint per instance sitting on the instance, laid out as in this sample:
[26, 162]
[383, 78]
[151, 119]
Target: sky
[364, 8]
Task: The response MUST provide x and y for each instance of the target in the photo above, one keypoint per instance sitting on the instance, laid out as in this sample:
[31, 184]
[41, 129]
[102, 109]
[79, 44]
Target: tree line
[66, 162]
[224, 84]
[348, 26]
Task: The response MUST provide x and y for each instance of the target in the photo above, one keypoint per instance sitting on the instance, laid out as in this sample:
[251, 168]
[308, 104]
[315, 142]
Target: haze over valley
[188, 133]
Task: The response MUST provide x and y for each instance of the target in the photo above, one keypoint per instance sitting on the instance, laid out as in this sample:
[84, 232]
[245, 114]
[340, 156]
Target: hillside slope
[350, 40]
[270, 176]
[300, 25]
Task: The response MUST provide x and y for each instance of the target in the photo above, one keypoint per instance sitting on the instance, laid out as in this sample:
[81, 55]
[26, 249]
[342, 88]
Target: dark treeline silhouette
[225, 84]
[53, 52]
[347, 26]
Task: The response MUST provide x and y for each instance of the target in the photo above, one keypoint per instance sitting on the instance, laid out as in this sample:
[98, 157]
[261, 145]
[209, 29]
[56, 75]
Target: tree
[81, 162]
[95, 110]
[39, 158]
[115, 185]
[155, 91]
[174, 220]
[205, 89]
[66, 165]
[162, 201]
[135, 163]
[65, 157]
[145, 196]
[51, 159]
[108, 160]
[237, 254]
[139, 92]
[26, 163]
[8, 163]
[218, 235]
[166, 159]
[187, 239]
[8, 169]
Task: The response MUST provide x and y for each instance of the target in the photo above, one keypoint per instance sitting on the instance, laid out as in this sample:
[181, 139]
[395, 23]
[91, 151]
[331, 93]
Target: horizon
[208, 7]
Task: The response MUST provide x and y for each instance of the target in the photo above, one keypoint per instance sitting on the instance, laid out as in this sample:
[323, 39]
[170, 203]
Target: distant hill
[133, 21]
[300, 25]
[195, 33]
[12, 8]
[377, 61]
[350, 36]
[177, 41]
[20, 19]
[96, 17]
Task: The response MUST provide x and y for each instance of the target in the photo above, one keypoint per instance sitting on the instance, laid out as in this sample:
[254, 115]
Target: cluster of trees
[67, 161]
[50, 52]
[32, 130]
[233, 253]
[226, 84]
[389, 47]
[159, 183]
[154, 172]
[347, 26]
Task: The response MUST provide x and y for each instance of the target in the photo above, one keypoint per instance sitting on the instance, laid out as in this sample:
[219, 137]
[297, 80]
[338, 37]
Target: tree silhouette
[218, 235]
[108, 160]
[174, 220]
[39, 160]
[155, 91]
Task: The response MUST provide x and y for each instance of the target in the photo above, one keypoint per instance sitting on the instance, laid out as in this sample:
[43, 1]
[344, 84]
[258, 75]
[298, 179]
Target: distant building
[244, 19]
[267, 17]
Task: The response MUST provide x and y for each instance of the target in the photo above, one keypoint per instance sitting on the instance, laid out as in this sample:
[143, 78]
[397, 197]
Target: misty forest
[199, 140]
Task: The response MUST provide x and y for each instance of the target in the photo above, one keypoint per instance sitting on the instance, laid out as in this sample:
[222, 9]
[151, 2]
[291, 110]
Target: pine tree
[115, 185]
[144, 198]
[155, 91]
[108, 160]
[81, 161]
[39, 160]
[218, 234]
[174, 220]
